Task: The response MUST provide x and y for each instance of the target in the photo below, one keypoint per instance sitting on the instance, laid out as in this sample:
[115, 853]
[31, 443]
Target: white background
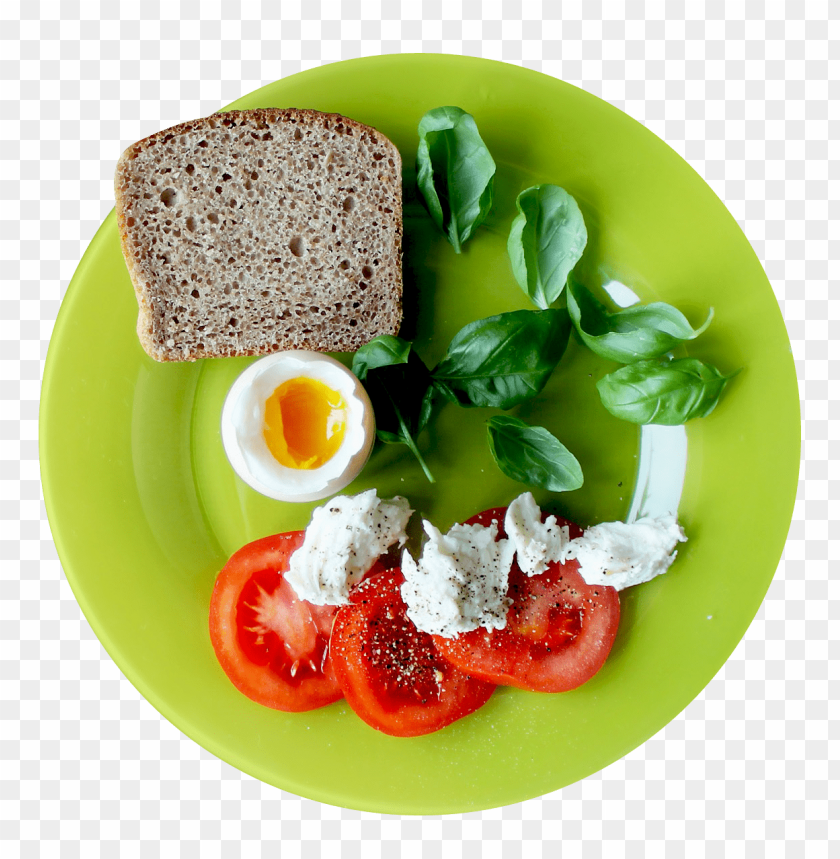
[748, 94]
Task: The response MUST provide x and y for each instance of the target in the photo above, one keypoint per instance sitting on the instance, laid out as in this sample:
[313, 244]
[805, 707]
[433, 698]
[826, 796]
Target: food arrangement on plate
[145, 507]
[277, 233]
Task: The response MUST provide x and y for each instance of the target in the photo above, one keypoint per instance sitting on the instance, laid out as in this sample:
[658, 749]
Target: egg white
[243, 419]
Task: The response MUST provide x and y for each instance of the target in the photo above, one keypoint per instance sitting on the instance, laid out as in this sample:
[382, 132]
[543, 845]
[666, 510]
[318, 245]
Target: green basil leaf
[382, 351]
[503, 360]
[455, 172]
[428, 404]
[440, 390]
[532, 455]
[397, 389]
[632, 334]
[546, 241]
[663, 392]
[398, 384]
[389, 437]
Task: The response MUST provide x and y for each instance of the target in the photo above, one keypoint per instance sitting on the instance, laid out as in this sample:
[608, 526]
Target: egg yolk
[304, 423]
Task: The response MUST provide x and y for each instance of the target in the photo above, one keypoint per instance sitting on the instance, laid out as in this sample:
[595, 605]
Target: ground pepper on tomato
[291, 655]
[392, 675]
[558, 632]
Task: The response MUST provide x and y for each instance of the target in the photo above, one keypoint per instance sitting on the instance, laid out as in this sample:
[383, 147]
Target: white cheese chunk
[460, 581]
[537, 543]
[620, 554]
[343, 539]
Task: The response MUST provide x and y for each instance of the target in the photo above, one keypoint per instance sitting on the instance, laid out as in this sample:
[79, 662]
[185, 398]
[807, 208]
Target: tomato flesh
[558, 634]
[291, 655]
[392, 675]
[273, 646]
[276, 630]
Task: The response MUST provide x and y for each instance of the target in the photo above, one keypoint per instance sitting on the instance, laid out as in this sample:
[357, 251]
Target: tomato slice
[559, 630]
[391, 673]
[273, 646]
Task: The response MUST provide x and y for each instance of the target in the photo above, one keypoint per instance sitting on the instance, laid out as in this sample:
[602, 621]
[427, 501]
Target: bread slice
[253, 231]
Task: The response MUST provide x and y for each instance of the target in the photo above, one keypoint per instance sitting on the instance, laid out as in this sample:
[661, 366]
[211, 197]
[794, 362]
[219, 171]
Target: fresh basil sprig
[532, 455]
[635, 333]
[398, 384]
[662, 392]
[503, 360]
[384, 351]
[546, 241]
[455, 172]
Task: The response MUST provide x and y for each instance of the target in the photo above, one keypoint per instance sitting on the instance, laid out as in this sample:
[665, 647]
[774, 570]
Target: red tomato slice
[559, 630]
[391, 673]
[273, 646]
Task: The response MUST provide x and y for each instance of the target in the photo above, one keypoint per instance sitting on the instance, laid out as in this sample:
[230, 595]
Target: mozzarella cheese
[460, 581]
[620, 555]
[343, 539]
[613, 553]
[537, 543]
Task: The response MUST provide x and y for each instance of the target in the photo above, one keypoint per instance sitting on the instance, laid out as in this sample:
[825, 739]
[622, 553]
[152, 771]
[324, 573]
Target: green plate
[145, 509]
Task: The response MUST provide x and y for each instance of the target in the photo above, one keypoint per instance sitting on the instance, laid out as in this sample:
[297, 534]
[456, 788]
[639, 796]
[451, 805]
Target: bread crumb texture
[253, 231]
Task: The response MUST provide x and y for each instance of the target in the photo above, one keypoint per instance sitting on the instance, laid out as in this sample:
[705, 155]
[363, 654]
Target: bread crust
[249, 232]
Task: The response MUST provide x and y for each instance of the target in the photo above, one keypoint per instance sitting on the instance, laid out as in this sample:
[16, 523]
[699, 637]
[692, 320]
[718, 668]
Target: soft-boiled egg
[297, 426]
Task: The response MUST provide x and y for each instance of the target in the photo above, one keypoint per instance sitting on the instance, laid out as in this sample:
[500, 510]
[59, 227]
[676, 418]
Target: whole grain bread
[248, 232]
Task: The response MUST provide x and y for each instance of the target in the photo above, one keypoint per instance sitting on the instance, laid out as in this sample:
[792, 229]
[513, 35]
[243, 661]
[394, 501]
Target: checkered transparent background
[748, 94]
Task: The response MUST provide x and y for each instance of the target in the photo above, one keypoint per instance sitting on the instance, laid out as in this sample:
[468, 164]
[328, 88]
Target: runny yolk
[304, 423]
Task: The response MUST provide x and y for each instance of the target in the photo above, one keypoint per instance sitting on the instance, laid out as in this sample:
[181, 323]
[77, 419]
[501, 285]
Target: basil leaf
[532, 455]
[382, 351]
[454, 172]
[398, 384]
[428, 403]
[662, 392]
[634, 333]
[546, 240]
[503, 360]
